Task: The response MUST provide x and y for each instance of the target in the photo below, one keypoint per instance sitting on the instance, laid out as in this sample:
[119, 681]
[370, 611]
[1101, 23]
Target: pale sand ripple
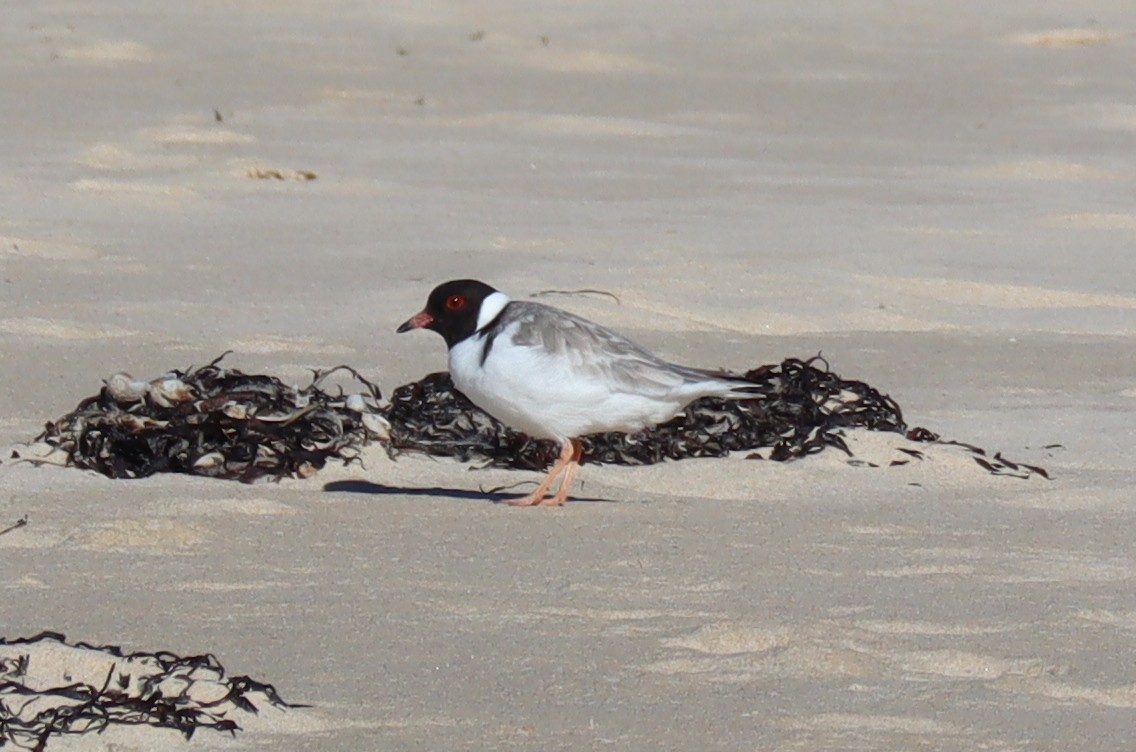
[674, 314]
[992, 295]
[926, 628]
[257, 507]
[800, 661]
[201, 586]
[946, 232]
[48, 249]
[1094, 221]
[591, 620]
[66, 330]
[1012, 565]
[879, 724]
[1039, 566]
[526, 244]
[1125, 620]
[590, 61]
[868, 647]
[1111, 115]
[566, 125]
[515, 50]
[726, 638]
[170, 147]
[110, 156]
[139, 192]
[369, 97]
[602, 615]
[1045, 169]
[152, 536]
[922, 570]
[874, 319]
[189, 135]
[110, 52]
[736, 652]
[1066, 498]
[781, 322]
[270, 343]
[959, 664]
[713, 118]
[1110, 697]
[886, 531]
[25, 582]
[1068, 37]
[607, 622]
[432, 721]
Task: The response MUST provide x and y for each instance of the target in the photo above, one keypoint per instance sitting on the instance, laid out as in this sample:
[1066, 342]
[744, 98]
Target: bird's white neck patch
[490, 308]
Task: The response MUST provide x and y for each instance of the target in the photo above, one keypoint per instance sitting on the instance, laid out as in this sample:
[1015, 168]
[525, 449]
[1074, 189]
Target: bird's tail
[740, 389]
[732, 386]
[722, 384]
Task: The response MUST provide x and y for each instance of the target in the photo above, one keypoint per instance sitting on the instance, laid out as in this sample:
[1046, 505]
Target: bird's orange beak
[417, 321]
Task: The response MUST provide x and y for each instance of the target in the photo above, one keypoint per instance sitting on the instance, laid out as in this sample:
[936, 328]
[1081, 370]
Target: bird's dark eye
[455, 303]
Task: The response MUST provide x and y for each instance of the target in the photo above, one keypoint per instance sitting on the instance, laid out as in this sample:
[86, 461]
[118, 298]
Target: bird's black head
[452, 310]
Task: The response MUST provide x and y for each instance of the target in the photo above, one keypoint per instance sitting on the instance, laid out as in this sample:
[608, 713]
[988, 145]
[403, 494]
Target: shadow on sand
[378, 489]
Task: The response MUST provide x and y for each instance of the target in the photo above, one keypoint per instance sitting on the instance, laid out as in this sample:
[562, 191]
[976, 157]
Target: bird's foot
[532, 500]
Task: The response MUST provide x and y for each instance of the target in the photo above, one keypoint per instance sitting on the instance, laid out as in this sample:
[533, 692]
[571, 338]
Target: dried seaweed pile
[224, 423]
[798, 409]
[217, 422]
[48, 688]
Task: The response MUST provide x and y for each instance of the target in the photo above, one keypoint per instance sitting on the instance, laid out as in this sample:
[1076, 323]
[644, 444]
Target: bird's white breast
[545, 394]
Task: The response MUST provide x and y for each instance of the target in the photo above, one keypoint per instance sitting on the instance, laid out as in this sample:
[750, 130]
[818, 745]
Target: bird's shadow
[378, 489]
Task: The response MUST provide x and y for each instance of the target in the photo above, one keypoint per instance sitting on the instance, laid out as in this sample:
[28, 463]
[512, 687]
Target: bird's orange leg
[567, 452]
[569, 473]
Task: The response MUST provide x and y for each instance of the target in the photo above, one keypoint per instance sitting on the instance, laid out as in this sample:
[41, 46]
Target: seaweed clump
[217, 422]
[799, 408]
[50, 688]
[224, 423]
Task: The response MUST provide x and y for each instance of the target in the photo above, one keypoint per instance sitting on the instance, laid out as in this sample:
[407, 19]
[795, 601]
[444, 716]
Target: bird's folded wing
[593, 352]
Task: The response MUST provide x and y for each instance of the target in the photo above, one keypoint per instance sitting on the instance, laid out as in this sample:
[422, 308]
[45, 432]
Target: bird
[551, 374]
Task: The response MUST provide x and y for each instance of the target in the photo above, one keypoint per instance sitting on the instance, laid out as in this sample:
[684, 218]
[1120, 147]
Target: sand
[937, 196]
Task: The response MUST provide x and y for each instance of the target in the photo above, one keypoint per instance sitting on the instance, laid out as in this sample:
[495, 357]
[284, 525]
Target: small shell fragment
[379, 426]
[124, 388]
[209, 461]
[169, 391]
[235, 410]
[138, 423]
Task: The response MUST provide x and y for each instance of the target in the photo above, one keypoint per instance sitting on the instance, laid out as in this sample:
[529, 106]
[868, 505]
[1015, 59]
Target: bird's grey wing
[594, 351]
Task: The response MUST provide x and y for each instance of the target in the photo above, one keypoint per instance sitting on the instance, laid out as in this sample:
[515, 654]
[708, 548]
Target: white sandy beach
[940, 197]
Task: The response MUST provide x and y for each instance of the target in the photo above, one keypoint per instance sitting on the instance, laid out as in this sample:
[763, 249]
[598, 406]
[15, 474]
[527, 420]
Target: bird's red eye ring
[455, 303]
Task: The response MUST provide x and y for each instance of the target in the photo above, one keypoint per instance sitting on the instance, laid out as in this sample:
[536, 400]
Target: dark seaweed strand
[92, 709]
